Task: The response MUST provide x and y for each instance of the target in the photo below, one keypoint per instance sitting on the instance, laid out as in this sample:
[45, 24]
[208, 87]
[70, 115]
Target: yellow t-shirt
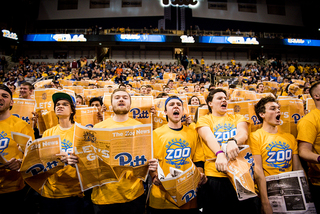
[11, 181]
[64, 183]
[309, 131]
[223, 128]
[276, 150]
[129, 187]
[176, 149]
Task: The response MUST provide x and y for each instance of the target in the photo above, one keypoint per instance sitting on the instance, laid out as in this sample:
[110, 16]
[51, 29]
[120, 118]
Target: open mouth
[224, 105]
[278, 117]
[176, 112]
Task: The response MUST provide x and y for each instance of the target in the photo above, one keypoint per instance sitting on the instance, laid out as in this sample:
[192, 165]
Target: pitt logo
[255, 120]
[138, 114]
[126, 158]
[23, 118]
[296, 118]
[177, 152]
[38, 168]
[189, 196]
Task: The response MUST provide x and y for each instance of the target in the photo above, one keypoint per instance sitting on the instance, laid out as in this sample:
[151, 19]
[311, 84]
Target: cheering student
[61, 192]
[216, 129]
[309, 144]
[26, 90]
[127, 195]
[12, 189]
[173, 137]
[268, 141]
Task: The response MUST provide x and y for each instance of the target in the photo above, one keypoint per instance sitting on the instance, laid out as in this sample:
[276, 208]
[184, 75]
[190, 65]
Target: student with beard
[12, 189]
[127, 195]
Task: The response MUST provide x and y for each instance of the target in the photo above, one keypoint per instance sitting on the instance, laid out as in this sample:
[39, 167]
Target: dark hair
[79, 96]
[5, 88]
[14, 86]
[260, 83]
[313, 87]
[29, 85]
[260, 107]
[211, 95]
[189, 103]
[122, 85]
[93, 99]
[232, 86]
[73, 109]
[162, 94]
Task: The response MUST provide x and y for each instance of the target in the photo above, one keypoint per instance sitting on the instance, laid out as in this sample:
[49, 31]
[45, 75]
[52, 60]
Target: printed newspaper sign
[40, 161]
[87, 116]
[106, 155]
[240, 173]
[171, 76]
[159, 118]
[310, 105]
[292, 111]
[21, 139]
[23, 108]
[289, 193]
[140, 108]
[180, 185]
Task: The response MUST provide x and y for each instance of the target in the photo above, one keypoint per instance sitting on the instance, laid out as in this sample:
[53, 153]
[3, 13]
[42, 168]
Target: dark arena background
[160, 30]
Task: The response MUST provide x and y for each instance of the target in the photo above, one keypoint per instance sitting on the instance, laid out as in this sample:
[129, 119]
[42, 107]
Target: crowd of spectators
[189, 70]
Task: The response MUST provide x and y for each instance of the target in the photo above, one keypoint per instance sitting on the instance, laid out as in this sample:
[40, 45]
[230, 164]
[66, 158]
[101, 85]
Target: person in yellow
[222, 133]
[12, 187]
[168, 141]
[61, 192]
[309, 143]
[274, 151]
[127, 195]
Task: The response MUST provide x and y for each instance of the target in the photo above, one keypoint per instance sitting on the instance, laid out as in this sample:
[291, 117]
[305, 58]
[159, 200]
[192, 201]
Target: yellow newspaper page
[23, 108]
[105, 155]
[240, 173]
[40, 161]
[140, 108]
[182, 185]
[292, 110]
[21, 139]
[159, 118]
[87, 116]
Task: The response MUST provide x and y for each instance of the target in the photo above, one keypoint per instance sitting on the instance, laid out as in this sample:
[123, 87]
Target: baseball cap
[5, 88]
[62, 95]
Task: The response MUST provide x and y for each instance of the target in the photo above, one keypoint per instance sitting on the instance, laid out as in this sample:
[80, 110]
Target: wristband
[318, 159]
[218, 152]
[230, 139]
